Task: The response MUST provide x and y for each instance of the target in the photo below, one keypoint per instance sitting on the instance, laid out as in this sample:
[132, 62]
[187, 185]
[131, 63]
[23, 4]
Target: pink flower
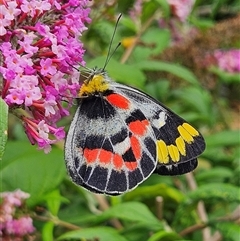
[12, 11]
[228, 61]
[47, 67]
[136, 10]
[39, 43]
[14, 221]
[39, 131]
[14, 198]
[20, 227]
[181, 8]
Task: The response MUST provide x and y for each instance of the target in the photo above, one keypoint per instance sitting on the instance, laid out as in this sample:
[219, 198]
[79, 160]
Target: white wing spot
[169, 167]
[161, 121]
[122, 147]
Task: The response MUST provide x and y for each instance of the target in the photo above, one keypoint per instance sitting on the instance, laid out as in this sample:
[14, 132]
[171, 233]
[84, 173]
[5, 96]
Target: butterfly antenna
[110, 45]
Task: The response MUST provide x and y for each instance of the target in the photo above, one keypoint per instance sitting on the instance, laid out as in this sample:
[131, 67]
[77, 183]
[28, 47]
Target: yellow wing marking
[162, 152]
[181, 145]
[190, 129]
[174, 153]
[96, 84]
[185, 134]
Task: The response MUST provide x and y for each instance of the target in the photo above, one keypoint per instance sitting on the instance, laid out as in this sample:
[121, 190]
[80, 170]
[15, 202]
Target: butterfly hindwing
[178, 144]
[112, 147]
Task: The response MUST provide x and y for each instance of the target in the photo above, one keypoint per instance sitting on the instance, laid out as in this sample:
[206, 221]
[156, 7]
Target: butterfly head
[96, 83]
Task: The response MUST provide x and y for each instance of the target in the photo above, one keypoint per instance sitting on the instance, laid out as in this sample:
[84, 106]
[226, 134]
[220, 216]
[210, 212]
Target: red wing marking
[138, 127]
[131, 165]
[118, 101]
[105, 157]
[90, 155]
[136, 147]
[117, 161]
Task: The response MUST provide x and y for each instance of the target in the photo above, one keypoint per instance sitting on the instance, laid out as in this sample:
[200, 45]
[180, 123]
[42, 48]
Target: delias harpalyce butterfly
[119, 136]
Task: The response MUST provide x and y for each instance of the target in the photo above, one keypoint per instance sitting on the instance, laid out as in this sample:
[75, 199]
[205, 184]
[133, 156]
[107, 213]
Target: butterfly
[119, 136]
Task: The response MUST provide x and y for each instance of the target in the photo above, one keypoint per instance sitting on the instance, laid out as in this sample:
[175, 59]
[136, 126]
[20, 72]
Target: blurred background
[186, 54]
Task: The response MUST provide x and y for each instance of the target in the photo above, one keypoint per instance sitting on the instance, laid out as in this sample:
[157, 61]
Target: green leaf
[229, 230]
[152, 36]
[104, 30]
[137, 231]
[163, 190]
[220, 191]
[217, 174]
[159, 89]
[165, 7]
[197, 98]
[31, 170]
[226, 77]
[127, 22]
[150, 39]
[201, 23]
[3, 126]
[218, 154]
[216, 6]
[211, 192]
[174, 69]
[96, 233]
[224, 138]
[132, 211]
[164, 235]
[148, 10]
[47, 231]
[54, 200]
[127, 74]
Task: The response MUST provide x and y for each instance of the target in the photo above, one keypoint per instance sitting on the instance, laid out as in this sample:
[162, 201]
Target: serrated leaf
[105, 30]
[31, 170]
[132, 211]
[221, 191]
[223, 138]
[3, 126]
[212, 192]
[96, 233]
[174, 69]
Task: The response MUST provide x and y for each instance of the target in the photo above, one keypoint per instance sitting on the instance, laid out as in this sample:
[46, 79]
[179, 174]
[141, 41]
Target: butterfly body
[119, 136]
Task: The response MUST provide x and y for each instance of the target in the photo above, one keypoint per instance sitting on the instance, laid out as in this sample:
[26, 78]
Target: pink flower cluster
[13, 223]
[136, 11]
[39, 43]
[228, 61]
[181, 8]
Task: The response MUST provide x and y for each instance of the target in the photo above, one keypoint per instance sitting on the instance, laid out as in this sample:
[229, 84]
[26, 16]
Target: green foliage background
[162, 208]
